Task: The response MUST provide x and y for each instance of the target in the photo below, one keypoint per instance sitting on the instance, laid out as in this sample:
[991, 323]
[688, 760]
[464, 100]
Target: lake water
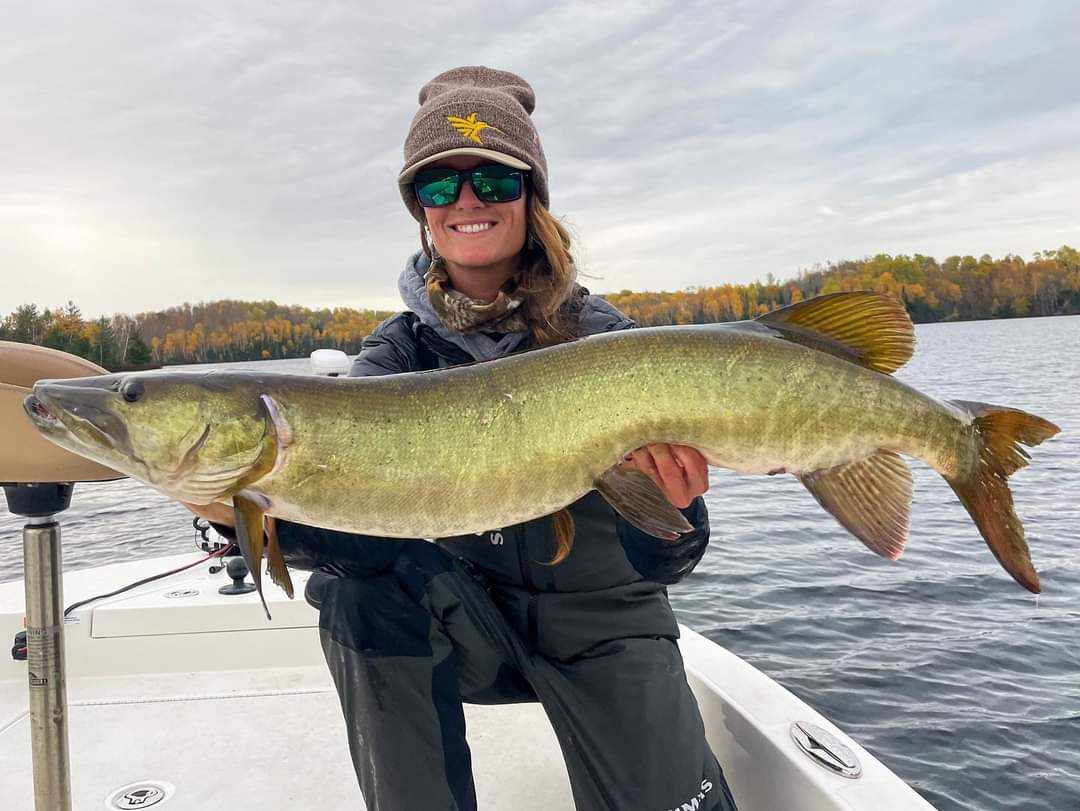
[961, 682]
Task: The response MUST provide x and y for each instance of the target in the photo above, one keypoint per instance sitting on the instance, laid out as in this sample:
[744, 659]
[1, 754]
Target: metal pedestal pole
[45, 660]
[39, 504]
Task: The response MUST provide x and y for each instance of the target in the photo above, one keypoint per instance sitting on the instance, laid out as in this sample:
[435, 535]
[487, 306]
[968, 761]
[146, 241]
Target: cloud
[152, 155]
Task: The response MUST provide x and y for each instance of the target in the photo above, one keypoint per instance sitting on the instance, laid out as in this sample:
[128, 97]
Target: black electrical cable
[218, 554]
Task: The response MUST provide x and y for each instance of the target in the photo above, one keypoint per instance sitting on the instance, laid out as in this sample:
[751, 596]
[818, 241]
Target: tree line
[961, 288]
[114, 343]
[210, 332]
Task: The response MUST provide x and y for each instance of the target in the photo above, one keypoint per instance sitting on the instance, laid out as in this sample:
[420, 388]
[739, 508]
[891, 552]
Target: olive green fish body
[430, 455]
[805, 390]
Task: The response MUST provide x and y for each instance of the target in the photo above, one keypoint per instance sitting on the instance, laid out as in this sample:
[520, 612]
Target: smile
[472, 227]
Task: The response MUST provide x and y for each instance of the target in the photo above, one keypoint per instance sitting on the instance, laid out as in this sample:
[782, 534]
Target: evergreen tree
[26, 324]
[102, 343]
[138, 353]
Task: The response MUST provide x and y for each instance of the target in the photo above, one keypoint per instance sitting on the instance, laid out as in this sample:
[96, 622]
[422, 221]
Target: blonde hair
[548, 279]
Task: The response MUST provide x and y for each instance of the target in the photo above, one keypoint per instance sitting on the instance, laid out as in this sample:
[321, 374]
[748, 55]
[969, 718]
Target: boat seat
[26, 456]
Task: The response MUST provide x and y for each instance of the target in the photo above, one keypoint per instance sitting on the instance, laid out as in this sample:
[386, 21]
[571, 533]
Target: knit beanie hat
[474, 111]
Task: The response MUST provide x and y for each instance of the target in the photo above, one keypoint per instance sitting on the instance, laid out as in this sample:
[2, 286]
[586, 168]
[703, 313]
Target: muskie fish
[805, 390]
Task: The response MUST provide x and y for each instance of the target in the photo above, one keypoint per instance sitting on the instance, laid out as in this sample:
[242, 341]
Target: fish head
[192, 435]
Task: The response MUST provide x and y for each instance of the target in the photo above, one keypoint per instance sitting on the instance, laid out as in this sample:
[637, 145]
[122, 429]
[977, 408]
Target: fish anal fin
[871, 498]
[871, 329]
[248, 510]
[635, 497]
[279, 572]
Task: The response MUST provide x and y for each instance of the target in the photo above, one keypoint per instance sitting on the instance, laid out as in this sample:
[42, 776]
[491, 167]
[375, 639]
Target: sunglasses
[491, 182]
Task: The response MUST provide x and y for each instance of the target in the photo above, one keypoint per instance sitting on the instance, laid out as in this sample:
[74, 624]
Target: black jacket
[610, 586]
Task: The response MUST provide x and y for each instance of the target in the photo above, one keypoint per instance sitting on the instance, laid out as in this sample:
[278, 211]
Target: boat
[179, 696]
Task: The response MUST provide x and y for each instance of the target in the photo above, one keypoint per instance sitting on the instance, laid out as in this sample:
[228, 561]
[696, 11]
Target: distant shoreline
[960, 289]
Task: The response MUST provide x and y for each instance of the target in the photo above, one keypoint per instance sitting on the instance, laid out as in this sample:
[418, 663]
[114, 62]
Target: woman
[571, 609]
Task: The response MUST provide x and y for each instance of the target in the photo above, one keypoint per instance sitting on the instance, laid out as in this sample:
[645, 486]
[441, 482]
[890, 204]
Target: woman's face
[497, 232]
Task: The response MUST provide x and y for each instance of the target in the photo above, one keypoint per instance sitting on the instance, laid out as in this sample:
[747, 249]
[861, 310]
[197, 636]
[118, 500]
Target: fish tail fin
[997, 434]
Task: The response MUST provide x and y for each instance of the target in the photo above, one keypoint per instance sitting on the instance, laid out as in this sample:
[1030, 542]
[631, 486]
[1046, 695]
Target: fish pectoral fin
[635, 497]
[279, 572]
[248, 509]
[871, 498]
[870, 329]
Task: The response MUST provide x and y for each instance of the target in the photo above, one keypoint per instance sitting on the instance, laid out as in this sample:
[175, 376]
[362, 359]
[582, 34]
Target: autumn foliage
[958, 289]
[213, 332]
[247, 330]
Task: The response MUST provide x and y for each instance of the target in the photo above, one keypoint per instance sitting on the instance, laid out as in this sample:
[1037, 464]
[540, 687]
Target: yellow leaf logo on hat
[470, 127]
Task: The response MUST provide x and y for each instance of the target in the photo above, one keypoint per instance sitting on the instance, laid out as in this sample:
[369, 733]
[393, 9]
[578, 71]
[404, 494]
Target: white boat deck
[269, 739]
[197, 692]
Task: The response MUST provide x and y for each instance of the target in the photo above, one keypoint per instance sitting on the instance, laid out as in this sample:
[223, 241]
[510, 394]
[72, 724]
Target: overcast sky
[153, 153]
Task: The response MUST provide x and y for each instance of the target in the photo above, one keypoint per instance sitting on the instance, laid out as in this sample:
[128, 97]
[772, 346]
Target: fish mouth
[40, 415]
[81, 411]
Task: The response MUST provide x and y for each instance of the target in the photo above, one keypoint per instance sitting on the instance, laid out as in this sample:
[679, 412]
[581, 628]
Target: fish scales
[502, 443]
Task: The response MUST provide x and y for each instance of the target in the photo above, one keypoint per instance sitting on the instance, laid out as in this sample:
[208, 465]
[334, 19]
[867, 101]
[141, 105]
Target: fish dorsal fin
[871, 498]
[635, 497]
[870, 329]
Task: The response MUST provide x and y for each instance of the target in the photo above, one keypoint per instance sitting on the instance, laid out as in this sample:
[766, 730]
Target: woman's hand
[215, 512]
[680, 471]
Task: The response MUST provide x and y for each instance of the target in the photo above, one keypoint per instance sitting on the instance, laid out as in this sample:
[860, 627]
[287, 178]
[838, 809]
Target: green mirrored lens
[437, 188]
[492, 183]
[496, 183]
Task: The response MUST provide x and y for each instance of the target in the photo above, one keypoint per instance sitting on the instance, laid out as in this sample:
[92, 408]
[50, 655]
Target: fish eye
[131, 390]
